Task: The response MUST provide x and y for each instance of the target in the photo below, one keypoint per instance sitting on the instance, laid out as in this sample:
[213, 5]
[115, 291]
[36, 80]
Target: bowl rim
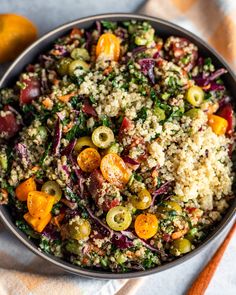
[66, 266]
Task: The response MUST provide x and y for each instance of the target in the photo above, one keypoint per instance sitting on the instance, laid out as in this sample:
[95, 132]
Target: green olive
[79, 228]
[181, 245]
[143, 200]
[80, 53]
[103, 137]
[42, 131]
[118, 218]
[52, 188]
[159, 113]
[63, 66]
[84, 142]
[114, 148]
[195, 96]
[78, 65]
[168, 206]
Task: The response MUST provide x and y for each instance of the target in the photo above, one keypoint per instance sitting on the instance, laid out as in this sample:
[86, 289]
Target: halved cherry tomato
[24, 188]
[226, 112]
[31, 90]
[108, 46]
[38, 224]
[39, 204]
[218, 124]
[8, 123]
[89, 159]
[146, 225]
[114, 170]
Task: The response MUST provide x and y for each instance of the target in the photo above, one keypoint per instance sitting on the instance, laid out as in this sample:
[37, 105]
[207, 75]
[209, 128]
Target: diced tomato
[89, 110]
[226, 112]
[31, 91]
[166, 238]
[8, 123]
[190, 209]
[108, 204]
[126, 124]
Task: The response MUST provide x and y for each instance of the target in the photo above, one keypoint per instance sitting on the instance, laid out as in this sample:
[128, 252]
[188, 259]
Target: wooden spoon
[201, 283]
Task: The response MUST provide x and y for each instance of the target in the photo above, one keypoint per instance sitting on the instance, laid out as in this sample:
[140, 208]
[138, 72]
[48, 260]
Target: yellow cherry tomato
[114, 170]
[142, 200]
[146, 225]
[39, 204]
[24, 188]
[218, 124]
[89, 159]
[108, 46]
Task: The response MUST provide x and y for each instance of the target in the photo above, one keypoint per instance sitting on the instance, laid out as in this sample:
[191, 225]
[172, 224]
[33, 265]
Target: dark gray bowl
[164, 28]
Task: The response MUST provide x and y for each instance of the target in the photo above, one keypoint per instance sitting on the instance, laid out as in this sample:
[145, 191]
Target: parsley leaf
[142, 114]
[109, 25]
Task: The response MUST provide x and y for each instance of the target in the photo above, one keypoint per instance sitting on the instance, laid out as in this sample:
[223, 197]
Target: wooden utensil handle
[201, 283]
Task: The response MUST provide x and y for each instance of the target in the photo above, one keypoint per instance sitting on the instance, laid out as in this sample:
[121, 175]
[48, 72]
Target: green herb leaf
[109, 25]
[142, 114]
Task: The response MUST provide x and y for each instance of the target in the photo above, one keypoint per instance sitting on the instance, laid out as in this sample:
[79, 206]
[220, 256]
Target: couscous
[116, 147]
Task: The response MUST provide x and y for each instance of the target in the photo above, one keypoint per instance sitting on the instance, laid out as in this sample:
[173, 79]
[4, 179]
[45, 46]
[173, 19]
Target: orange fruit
[16, 33]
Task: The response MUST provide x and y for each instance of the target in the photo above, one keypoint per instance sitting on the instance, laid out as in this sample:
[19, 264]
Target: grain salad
[117, 147]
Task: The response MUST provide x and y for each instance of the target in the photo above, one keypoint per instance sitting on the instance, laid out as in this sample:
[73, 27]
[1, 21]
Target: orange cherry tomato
[89, 159]
[16, 33]
[108, 46]
[146, 225]
[218, 124]
[39, 204]
[24, 188]
[38, 224]
[114, 170]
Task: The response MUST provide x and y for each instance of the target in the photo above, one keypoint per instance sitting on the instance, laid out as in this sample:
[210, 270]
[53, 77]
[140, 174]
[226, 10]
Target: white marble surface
[51, 13]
